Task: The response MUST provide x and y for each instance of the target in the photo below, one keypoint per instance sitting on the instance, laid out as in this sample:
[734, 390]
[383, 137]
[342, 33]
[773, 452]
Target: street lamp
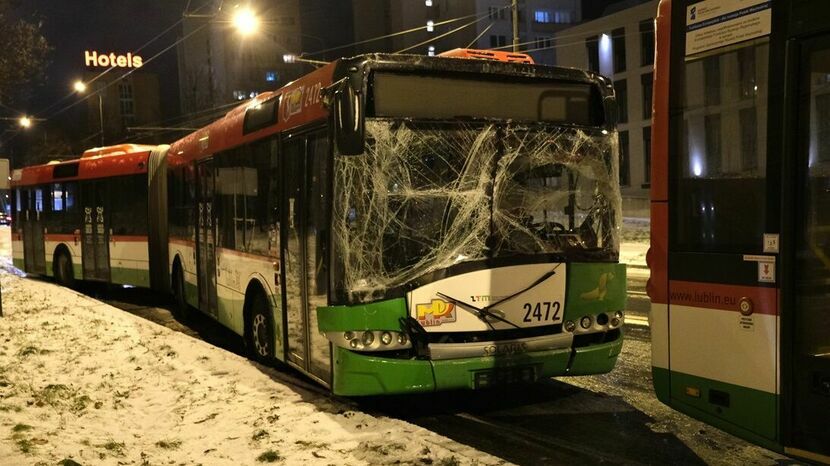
[25, 122]
[245, 21]
[292, 58]
[81, 87]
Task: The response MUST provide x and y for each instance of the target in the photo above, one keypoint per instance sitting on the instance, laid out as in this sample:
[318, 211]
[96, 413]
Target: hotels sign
[93, 58]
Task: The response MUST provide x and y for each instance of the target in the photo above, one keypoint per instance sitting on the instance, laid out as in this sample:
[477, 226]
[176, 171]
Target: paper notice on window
[716, 23]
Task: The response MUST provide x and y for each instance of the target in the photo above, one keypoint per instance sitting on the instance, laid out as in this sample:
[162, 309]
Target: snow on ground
[86, 382]
[634, 241]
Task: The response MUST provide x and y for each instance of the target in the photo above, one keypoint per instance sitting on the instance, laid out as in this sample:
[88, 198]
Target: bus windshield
[426, 196]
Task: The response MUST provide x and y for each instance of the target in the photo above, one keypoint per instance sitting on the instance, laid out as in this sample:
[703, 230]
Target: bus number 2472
[542, 311]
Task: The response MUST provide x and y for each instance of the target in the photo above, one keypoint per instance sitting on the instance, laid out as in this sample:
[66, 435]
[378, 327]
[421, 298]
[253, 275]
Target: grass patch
[21, 428]
[259, 435]
[269, 456]
[68, 462]
[451, 461]
[310, 444]
[25, 445]
[113, 447]
[169, 444]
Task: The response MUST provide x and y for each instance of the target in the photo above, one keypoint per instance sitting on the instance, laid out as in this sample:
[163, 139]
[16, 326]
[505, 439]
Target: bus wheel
[181, 310]
[64, 274]
[261, 330]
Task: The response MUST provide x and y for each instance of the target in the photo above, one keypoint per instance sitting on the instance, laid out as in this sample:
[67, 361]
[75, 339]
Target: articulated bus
[740, 250]
[89, 218]
[395, 224]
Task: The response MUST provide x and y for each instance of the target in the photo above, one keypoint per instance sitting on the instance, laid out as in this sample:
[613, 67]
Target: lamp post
[81, 87]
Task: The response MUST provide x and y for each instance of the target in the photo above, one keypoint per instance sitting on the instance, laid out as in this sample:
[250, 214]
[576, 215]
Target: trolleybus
[393, 223]
[739, 251]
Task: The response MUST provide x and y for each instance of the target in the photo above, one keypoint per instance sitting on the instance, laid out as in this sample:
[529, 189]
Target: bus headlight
[370, 340]
[585, 322]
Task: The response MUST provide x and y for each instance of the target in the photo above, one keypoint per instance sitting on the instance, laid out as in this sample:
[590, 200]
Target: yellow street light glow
[79, 86]
[25, 122]
[245, 21]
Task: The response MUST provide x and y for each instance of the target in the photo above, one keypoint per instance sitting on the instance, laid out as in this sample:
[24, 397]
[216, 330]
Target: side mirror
[349, 127]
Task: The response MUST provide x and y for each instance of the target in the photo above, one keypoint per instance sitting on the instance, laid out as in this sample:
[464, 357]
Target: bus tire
[181, 310]
[62, 269]
[260, 331]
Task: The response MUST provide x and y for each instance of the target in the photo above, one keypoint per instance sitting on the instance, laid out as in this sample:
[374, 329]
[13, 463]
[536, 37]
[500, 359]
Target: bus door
[206, 236]
[305, 250]
[34, 251]
[95, 252]
[811, 322]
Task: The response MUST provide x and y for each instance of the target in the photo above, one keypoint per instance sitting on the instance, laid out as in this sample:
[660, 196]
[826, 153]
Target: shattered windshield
[427, 196]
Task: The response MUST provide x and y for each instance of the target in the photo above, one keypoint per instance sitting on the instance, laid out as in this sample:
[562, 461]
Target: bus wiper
[538, 281]
[481, 313]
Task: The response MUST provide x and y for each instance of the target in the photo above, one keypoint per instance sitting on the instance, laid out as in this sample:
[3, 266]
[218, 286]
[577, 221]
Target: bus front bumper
[358, 374]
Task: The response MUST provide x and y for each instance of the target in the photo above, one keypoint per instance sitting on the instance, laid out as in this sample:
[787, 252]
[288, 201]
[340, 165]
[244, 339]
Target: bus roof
[99, 162]
[300, 102]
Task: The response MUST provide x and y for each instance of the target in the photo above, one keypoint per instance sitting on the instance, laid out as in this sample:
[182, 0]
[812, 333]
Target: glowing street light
[245, 21]
[79, 86]
[25, 122]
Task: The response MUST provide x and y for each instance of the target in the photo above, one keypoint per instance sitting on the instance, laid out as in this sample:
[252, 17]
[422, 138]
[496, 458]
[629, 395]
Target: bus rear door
[206, 236]
[34, 251]
[95, 252]
[810, 323]
[304, 251]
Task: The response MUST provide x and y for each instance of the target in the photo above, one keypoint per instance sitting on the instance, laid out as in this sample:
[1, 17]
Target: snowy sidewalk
[84, 381]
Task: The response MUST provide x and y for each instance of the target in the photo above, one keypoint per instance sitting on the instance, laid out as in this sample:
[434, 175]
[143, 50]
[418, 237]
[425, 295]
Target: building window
[712, 133]
[544, 42]
[428, 2]
[749, 136]
[240, 95]
[562, 17]
[647, 82]
[621, 89]
[625, 160]
[271, 76]
[711, 80]
[431, 51]
[592, 47]
[127, 104]
[498, 41]
[618, 48]
[495, 12]
[542, 16]
[647, 42]
[746, 72]
[647, 156]
[430, 26]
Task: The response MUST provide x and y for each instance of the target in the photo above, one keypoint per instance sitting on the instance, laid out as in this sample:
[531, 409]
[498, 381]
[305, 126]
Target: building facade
[436, 26]
[218, 65]
[620, 45]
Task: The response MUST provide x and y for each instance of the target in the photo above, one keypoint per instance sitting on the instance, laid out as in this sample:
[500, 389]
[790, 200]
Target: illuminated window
[270, 76]
[542, 16]
[428, 2]
[430, 26]
[431, 51]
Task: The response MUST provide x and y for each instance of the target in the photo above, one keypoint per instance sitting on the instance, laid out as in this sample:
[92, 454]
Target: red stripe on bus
[657, 255]
[660, 106]
[723, 297]
[129, 238]
[61, 237]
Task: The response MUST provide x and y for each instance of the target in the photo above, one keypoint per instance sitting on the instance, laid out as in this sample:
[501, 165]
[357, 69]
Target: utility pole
[515, 13]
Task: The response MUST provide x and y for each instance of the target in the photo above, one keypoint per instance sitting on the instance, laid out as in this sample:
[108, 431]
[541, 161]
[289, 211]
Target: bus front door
[34, 251]
[810, 399]
[304, 251]
[95, 252]
[206, 237]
